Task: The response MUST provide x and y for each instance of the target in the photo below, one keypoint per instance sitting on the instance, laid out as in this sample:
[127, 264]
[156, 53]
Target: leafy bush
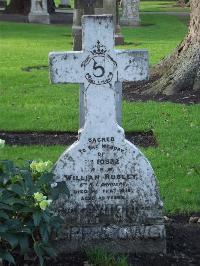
[27, 224]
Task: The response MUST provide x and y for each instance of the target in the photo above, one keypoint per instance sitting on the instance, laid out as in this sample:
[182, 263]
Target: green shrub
[28, 226]
[100, 257]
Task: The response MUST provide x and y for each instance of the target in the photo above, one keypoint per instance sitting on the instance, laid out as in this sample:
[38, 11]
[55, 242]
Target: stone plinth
[38, 13]
[114, 201]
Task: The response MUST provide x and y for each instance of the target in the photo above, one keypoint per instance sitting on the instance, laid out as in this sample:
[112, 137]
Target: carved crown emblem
[99, 49]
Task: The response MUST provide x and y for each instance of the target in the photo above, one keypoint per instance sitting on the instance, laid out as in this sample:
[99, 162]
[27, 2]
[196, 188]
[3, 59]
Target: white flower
[44, 204]
[2, 143]
[39, 197]
[41, 166]
[41, 200]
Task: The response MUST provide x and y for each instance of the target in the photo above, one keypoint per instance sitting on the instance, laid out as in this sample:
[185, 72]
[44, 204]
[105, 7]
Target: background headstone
[3, 3]
[64, 3]
[130, 13]
[24, 6]
[94, 7]
[114, 202]
[38, 12]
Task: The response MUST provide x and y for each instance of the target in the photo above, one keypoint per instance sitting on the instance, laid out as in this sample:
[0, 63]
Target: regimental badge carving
[99, 65]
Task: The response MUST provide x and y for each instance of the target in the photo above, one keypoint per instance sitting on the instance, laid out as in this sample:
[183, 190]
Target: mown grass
[151, 6]
[29, 102]
[100, 257]
[161, 6]
[71, 3]
[176, 160]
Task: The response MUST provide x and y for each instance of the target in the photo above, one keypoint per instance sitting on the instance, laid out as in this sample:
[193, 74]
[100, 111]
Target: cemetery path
[144, 139]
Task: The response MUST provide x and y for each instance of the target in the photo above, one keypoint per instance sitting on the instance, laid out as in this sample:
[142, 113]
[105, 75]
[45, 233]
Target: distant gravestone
[130, 13]
[94, 7]
[64, 3]
[3, 3]
[38, 12]
[114, 202]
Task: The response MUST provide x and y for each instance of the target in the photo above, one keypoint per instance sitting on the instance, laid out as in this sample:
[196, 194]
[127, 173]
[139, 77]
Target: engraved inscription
[102, 179]
[117, 233]
[98, 65]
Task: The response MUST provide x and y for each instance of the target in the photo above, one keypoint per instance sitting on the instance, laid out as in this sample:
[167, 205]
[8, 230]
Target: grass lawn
[146, 6]
[161, 6]
[29, 102]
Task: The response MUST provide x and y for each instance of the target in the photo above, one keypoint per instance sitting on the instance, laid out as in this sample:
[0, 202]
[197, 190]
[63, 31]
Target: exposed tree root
[180, 71]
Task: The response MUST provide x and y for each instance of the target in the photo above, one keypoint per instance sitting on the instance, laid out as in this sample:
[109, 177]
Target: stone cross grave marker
[39, 12]
[114, 201]
[96, 7]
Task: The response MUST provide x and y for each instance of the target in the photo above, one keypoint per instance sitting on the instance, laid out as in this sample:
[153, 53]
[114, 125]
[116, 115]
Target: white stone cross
[113, 191]
[98, 65]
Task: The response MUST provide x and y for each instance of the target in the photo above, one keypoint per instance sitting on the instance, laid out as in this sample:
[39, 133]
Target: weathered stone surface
[97, 7]
[114, 201]
[115, 238]
[39, 13]
[130, 13]
[118, 104]
[94, 7]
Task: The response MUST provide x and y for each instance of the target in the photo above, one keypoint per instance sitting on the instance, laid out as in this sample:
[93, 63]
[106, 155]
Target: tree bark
[180, 71]
[23, 6]
[18, 6]
[181, 3]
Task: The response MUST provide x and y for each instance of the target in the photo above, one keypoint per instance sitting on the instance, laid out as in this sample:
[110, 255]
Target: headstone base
[114, 238]
[39, 18]
[129, 22]
[119, 39]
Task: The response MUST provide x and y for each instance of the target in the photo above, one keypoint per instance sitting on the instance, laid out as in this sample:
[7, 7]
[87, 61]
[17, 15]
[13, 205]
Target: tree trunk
[18, 6]
[180, 3]
[180, 71]
[23, 6]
